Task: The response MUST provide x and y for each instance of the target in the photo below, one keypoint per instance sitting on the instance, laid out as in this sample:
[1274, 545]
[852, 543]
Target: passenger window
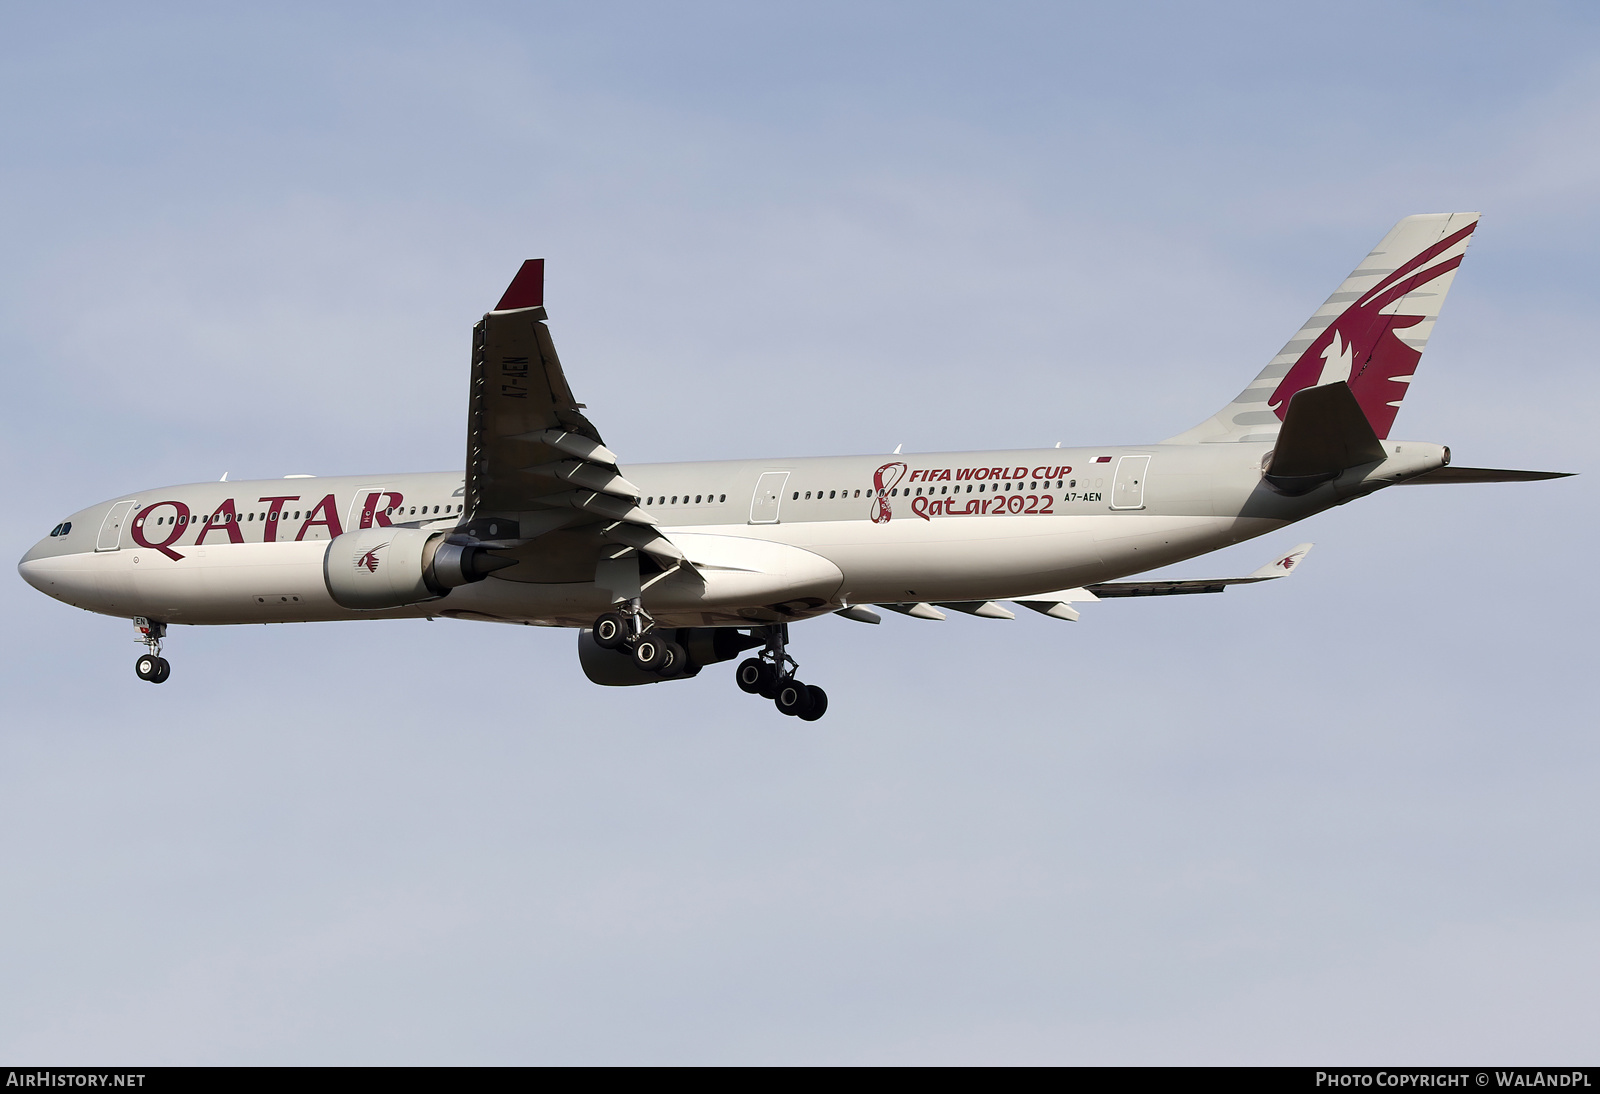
[697, 499]
[797, 495]
[722, 497]
[808, 495]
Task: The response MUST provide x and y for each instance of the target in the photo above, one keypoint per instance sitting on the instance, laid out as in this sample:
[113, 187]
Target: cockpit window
[56, 531]
[61, 529]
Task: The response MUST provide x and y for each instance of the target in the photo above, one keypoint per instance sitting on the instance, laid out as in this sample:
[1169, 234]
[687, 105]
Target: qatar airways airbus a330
[667, 568]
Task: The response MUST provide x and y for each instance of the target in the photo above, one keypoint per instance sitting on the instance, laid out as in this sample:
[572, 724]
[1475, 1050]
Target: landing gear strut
[151, 666]
[630, 627]
[771, 675]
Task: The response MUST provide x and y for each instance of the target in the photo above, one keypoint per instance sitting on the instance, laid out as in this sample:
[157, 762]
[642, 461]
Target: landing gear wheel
[819, 704]
[163, 670]
[754, 676]
[147, 666]
[610, 631]
[676, 660]
[649, 653]
[793, 698]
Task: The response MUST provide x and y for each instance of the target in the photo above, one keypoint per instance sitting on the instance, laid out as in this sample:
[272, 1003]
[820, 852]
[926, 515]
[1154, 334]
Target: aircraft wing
[1058, 605]
[1282, 566]
[537, 469]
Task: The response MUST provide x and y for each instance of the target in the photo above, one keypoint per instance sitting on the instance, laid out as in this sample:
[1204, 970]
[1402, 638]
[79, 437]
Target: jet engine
[376, 568]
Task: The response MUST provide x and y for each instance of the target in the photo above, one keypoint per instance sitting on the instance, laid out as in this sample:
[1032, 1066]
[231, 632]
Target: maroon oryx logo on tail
[1363, 345]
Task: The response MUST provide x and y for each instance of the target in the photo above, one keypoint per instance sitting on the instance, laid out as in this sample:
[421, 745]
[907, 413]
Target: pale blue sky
[1347, 818]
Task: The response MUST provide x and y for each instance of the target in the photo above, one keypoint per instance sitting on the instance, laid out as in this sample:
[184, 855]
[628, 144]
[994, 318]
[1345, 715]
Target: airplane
[673, 567]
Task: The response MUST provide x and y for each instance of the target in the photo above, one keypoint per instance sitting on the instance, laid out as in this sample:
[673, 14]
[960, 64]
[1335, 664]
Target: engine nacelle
[376, 568]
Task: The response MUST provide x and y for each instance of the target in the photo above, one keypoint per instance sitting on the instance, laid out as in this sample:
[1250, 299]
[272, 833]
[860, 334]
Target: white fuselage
[947, 527]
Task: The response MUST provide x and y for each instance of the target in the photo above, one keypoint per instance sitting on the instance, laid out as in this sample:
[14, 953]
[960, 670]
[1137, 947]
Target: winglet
[1284, 566]
[526, 289]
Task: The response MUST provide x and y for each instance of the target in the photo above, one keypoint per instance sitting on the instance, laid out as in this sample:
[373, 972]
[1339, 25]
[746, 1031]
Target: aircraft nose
[54, 576]
[33, 572]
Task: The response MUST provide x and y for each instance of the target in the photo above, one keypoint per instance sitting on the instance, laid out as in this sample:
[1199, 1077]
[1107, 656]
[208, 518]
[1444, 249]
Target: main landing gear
[152, 666]
[771, 675]
[630, 627]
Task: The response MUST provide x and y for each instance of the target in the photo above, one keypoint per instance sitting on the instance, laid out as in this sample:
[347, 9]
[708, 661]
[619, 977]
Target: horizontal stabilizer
[1324, 433]
[1483, 474]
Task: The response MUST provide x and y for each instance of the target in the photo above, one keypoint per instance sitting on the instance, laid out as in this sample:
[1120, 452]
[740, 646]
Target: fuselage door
[1127, 489]
[768, 497]
[111, 531]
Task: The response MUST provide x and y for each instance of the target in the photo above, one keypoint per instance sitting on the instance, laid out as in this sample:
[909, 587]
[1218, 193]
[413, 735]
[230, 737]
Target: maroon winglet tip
[526, 289]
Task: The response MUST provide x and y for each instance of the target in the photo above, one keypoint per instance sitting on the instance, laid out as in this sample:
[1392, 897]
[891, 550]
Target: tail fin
[1369, 334]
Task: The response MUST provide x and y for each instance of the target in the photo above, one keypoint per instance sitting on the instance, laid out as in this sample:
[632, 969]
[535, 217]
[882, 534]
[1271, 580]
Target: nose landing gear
[151, 666]
[771, 675]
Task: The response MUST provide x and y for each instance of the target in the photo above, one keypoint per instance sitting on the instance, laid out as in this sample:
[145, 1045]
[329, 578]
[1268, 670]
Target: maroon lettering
[963, 474]
[330, 521]
[223, 520]
[165, 546]
[270, 533]
[373, 510]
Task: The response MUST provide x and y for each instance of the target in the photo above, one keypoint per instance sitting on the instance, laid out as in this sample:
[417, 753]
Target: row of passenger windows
[919, 491]
[391, 511]
[687, 499]
[227, 518]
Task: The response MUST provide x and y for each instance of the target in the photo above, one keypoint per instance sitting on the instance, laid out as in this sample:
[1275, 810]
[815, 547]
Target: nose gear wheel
[151, 666]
